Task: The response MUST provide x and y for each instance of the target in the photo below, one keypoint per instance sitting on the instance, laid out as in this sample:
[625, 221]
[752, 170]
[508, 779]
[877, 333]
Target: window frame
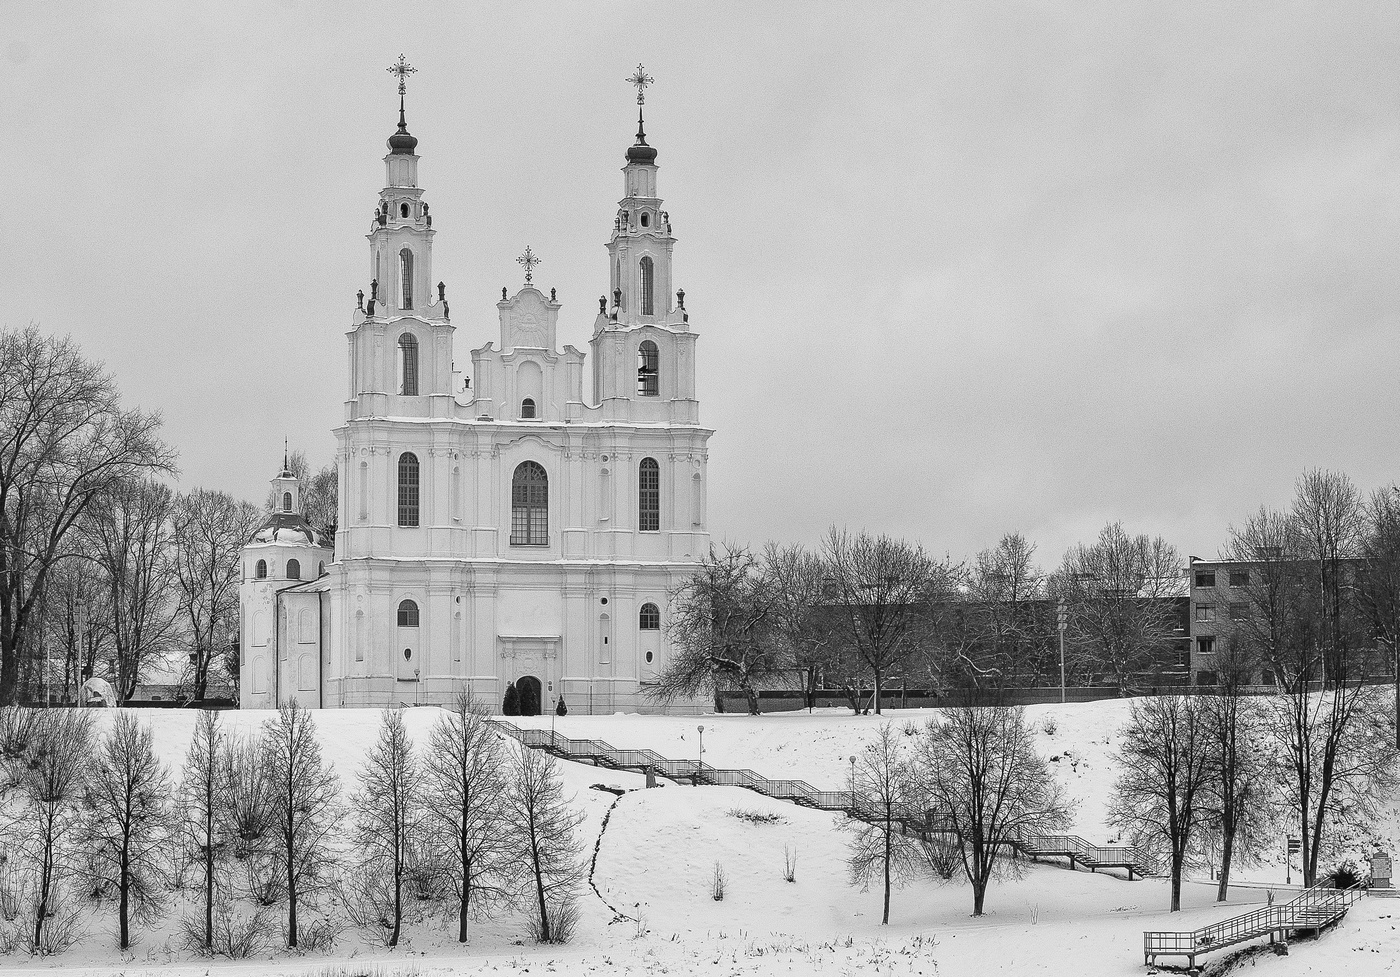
[1202, 576]
[406, 277]
[408, 614]
[649, 621]
[648, 496]
[648, 369]
[260, 570]
[529, 505]
[1239, 578]
[409, 507]
[528, 410]
[293, 569]
[646, 275]
[408, 365]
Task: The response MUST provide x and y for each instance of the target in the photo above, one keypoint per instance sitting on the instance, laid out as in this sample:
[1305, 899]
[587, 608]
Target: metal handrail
[1314, 908]
[800, 792]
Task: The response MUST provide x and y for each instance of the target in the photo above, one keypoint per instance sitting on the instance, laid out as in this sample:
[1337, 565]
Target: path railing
[1077, 850]
[1314, 908]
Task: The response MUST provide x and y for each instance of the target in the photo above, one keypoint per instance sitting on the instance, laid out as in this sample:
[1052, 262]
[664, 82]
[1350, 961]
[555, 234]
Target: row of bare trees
[867, 609]
[462, 826]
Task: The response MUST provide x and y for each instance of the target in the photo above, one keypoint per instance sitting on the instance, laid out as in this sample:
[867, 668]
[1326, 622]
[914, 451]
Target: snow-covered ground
[657, 857]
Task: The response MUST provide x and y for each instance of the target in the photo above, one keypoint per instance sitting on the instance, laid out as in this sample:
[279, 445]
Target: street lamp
[701, 730]
[1063, 614]
[853, 781]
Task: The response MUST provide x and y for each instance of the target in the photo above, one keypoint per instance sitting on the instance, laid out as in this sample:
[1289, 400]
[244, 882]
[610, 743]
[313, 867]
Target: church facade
[511, 527]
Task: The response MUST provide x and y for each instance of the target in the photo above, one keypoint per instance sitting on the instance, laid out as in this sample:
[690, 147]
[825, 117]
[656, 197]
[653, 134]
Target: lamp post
[853, 782]
[701, 730]
[1063, 614]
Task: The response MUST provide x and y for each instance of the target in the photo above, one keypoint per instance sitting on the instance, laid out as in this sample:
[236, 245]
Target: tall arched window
[649, 496]
[649, 619]
[647, 304]
[408, 489]
[286, 501]
[527, 408]
[293, 569]
[529, 506]
[406, 277]
[408, 614]
[260, 571]
[648, 362]
[408, 365]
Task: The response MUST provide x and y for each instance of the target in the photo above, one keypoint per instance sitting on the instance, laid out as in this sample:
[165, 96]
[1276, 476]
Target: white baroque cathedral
[513, 527]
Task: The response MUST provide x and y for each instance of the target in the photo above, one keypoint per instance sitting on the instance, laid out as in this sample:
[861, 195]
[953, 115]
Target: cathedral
[512, 526]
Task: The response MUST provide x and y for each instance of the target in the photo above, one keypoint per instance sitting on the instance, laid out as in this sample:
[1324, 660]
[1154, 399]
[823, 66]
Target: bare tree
[1333, 760]
[75, 616]
[210, 528]
[465, 797]
[793, 579]
[1274, 594]
[251, 810]
[1119, 590]
[306, 806]
[722, 632]
[47, 765]
[388, 818]
[1238, 790]
[544, 836]
[132, 533]
[885, 589]
[880, 848]
[1378, 579]
[64, 440]
[1329, 517]
[1159, 800]
[203, 808]
[986, 782]
[127, 825]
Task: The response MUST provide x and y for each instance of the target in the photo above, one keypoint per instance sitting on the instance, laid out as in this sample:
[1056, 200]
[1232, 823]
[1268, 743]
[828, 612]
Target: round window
[407, 654]
[605, 600]
[649, 657]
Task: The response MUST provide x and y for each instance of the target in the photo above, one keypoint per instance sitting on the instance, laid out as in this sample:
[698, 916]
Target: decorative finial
[529, 259]
[503, 293]
[360, 299]
[602, 304]
[551, 295]
[442, 292]
[402, 69]
[680, 297]
[285, 466]
[640, 79]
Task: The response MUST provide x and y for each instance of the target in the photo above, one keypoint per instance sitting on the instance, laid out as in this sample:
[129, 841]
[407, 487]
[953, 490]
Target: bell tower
[401, 338]
[643, 349]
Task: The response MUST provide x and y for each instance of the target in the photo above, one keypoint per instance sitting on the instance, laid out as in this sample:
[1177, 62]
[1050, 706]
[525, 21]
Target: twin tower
[505, 527]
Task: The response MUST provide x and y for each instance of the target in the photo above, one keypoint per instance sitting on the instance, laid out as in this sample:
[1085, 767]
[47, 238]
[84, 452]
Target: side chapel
[508, 528]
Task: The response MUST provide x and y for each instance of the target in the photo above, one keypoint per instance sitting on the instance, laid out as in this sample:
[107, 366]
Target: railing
[1076, 849]
[1313, 908]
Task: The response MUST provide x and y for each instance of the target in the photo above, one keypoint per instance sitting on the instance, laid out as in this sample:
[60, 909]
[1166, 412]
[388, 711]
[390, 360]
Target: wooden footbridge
[1075, 849]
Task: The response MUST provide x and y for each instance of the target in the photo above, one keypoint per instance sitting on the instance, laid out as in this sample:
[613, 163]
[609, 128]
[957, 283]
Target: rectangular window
[1239, 578]
[1205, 612]
[1205, 578]
[1239, 611]
[529, 515]
[1205, 646]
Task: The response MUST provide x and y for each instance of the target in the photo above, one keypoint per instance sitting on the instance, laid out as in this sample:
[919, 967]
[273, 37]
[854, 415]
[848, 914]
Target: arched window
[529, 506]
[649, 496]
[649, 618]
[406, 273]
[527, 408]
[408, 365]
[322, 571]
[648, 361]
[403, 210]
[408, 489]
[260, 571]
[408, 614]
[647, 268]
[293, 569]
[286, 501]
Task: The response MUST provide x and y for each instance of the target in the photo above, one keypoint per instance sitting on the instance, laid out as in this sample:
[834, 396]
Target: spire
[401, 142]
[286, 464]
[640, 152]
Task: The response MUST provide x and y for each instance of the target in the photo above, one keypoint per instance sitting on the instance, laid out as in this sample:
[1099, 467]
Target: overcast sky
[957, 269]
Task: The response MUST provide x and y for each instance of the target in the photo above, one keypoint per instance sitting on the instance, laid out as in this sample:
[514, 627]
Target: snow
[656, 861]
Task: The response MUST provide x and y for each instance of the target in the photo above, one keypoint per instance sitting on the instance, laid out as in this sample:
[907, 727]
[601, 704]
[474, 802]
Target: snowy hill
[656, 860]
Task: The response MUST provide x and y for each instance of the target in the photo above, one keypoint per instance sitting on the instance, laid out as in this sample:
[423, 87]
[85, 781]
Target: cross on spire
[529, 259]
[641, 80]
[403, 69]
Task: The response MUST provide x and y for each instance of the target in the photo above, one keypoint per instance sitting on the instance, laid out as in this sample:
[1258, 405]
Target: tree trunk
[1226, 853]
[9, 671]
[889, 845]
[751, 695]
[124, 900]
[291, 895]
[466, 872]
[1176, 881]
[539, 891]
[879, 685]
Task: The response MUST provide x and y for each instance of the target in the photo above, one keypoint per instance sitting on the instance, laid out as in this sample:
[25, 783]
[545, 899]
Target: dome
[641, 152]
[285, 527]
[403, 144]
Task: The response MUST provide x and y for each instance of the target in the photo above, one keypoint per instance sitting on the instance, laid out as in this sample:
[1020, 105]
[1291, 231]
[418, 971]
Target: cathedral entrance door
[530, 691]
